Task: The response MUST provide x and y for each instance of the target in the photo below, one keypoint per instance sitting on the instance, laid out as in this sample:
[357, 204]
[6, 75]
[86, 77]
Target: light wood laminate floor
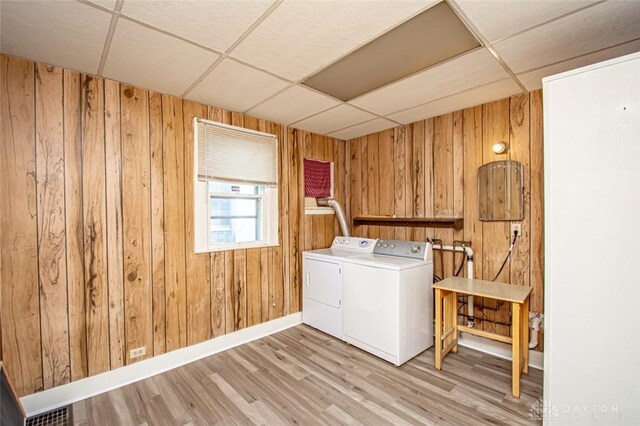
[302, 376]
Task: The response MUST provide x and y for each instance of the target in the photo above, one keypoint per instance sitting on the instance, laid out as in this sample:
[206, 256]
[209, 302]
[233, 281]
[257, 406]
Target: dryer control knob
[415, 249]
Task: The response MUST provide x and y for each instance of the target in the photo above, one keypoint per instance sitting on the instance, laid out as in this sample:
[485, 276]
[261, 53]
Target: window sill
[318, 210]
[236, 246]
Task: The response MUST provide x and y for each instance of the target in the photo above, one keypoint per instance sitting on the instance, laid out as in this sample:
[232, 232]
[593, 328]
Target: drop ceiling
[252, 56]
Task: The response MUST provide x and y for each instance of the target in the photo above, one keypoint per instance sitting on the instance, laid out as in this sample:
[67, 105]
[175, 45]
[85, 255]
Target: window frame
[259, 197]
[268, 203]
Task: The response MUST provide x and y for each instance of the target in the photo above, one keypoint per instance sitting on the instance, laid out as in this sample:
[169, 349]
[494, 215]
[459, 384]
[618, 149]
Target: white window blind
[234, 154]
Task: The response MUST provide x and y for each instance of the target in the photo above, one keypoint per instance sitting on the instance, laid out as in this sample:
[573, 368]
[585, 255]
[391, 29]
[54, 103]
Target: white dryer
[322, 282]
[376, 295]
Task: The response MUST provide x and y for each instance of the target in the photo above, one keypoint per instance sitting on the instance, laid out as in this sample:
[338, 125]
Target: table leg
[525, 336]
[438, 326]
[516, 320]
[454, 320]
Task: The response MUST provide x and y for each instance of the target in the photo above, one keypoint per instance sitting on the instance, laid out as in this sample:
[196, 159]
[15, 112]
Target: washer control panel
[365, 245]
[401, 248]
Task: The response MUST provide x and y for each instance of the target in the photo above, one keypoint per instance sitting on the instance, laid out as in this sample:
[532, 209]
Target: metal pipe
[468, 251]
[535, 321]
[342, 219]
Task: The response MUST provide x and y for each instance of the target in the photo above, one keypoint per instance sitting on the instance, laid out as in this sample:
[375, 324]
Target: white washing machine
[379, 300]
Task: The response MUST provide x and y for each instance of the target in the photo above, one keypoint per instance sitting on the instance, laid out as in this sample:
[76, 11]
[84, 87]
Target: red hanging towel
[317, 178]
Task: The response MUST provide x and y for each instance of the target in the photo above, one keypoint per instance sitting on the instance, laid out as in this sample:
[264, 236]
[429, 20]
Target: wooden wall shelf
[416, 222]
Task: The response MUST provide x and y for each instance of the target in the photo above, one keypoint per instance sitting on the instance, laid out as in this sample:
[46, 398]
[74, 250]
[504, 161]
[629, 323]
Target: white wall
[592, 220]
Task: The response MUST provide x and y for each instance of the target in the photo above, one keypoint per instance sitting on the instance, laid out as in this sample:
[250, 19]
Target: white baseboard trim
[72, 392]
[499, 349]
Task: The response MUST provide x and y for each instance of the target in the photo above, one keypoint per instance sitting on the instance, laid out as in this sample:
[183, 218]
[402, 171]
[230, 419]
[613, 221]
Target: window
[235, 187]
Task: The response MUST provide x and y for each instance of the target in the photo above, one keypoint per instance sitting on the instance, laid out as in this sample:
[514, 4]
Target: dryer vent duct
[342, 219]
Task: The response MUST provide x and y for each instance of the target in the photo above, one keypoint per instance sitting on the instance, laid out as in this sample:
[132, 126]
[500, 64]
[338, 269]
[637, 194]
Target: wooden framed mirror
[500, 191]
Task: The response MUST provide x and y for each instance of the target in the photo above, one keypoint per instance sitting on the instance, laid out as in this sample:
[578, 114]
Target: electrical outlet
[137, 352]
[516, 227]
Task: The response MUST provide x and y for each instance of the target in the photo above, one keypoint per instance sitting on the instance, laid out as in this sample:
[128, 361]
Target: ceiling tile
[292, 105]
[334, 119]
[533, 79]
[301, 37]
[592, 29]
[497, 19]
[235, 86]
[148, 58]
[63, 33]
[215, 24]
[470, 70]
[473, 97]
[373, 126]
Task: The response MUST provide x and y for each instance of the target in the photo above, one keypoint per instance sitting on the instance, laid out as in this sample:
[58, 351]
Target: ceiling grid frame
[597, 49]
[112, 30]
[485, 42]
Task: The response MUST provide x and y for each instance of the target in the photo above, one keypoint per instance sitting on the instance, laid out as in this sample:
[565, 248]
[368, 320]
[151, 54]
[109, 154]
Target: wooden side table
[447, 327]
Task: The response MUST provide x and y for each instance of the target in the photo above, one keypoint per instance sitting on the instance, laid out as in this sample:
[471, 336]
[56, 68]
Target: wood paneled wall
[429, 168]
[96, 227]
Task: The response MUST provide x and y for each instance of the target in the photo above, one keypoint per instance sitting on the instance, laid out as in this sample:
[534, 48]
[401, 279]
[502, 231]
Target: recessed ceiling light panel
[431, 37]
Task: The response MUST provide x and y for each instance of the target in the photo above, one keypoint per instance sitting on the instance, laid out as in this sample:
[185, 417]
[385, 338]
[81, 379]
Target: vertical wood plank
[20, 314]
[537, 203]
[443, 186]
[429, 180]
[401, 175]
[495, 235]
[254, 290]
[364, 181]
[198, 289]
[404, 136]
[416, 200]
[231, 294]
[157, 224]
[284, 221]
[264, 284]
[347, 180]
[373, 182]
[94, 213]
[300, 137]
[240, 289]
[386, 178]
[218, 312]
[472, 134]
[115, 249]
[458, 182]
[279, 266]
[74, 224]
[295, 216]
[355, 181]
[175, 281]
[52, 264]
[519, 151]
[137, 220]
[275, 290]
